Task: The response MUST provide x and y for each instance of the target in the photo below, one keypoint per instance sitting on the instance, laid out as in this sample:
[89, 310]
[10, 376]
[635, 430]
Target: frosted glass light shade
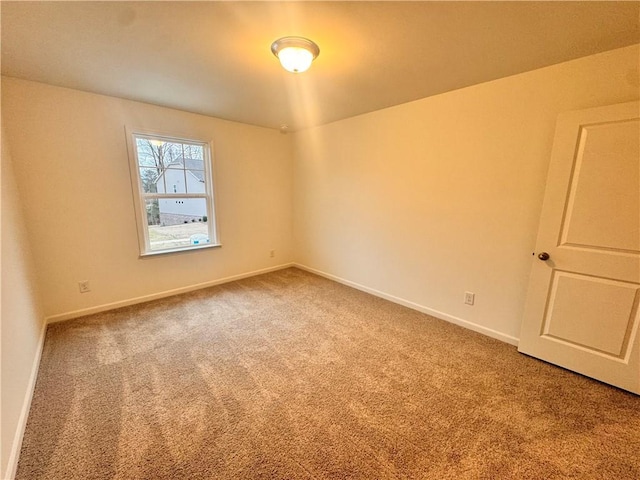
[295, 59]
[295, 53]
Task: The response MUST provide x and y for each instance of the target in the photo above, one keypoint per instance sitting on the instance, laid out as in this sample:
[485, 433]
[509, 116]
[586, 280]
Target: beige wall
[22, 319]
[71, 164]
[430, 199]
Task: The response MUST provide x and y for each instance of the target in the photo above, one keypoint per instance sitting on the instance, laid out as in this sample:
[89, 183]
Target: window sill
[179, 250]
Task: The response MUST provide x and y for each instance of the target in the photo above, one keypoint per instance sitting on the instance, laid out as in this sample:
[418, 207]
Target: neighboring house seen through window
[173, 187]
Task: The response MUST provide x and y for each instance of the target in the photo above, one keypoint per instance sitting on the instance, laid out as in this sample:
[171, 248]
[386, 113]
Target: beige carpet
[291, 376]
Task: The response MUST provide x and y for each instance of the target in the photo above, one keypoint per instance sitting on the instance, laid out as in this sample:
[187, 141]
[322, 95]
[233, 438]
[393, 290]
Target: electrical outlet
[272, 253]
[84, 286]
[469, 298]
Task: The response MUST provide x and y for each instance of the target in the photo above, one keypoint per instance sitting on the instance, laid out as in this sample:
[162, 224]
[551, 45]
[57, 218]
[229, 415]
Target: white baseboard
[12, 464]
[421, 308]
[155, 296]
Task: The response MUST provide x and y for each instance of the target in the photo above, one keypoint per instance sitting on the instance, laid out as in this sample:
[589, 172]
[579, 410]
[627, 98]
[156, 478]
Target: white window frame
[140, 197]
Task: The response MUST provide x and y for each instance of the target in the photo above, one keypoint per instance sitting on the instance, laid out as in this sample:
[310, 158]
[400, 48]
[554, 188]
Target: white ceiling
[214, 57]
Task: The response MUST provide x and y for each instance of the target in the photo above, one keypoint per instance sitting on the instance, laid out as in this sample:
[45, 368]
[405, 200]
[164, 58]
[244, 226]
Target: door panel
[603, 208]
[590, 299]
[582, 304]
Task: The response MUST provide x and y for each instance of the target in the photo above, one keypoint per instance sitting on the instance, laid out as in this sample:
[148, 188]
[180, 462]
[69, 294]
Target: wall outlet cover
[469, 298]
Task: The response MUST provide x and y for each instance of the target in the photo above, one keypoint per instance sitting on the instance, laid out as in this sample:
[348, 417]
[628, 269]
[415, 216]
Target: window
[173, 189]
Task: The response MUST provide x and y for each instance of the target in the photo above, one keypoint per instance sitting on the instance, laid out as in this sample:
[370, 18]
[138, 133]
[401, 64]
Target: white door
[582, 305]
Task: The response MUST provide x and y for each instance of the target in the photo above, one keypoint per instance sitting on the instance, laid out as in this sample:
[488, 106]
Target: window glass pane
[150, 181]
[174, 180]
[145, 153]
[158, 153]
[177, 222]
[194, 164]
[193, 152]
[170, 154]
[196, 181]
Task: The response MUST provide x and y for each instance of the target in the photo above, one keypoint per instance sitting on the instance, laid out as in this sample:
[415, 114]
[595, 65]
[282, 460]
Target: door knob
[543, 256]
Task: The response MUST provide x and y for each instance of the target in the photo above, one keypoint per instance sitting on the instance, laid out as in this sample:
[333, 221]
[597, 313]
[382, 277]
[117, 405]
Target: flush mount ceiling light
[295, 53]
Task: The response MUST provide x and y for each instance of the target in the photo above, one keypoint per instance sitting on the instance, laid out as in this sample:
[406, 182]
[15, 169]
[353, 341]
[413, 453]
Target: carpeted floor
[291, 376]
